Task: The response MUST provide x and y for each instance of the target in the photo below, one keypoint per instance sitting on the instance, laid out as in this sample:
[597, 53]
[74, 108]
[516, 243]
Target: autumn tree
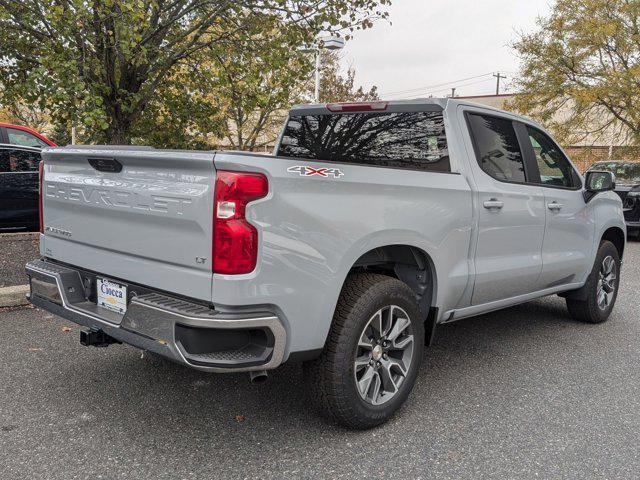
[255, 86]
[252, 86]
[256, 83]
[102, 63]
[336, 86]
[26, 114]
[585, 59]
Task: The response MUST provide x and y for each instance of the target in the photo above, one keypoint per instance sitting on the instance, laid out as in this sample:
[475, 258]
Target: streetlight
[328, 43]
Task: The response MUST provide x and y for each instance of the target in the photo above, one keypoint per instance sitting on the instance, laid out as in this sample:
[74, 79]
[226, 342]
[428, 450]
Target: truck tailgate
[149, 223]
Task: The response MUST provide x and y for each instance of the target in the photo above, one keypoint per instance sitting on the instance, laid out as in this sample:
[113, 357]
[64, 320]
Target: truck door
[511, 216]
[18, 186]
[570, 226]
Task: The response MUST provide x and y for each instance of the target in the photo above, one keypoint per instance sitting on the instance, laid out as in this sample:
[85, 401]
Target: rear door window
[412, 140]
[497, 147]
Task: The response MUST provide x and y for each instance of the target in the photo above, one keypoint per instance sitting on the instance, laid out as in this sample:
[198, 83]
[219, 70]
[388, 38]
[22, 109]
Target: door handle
[493, 204]
[555, 206]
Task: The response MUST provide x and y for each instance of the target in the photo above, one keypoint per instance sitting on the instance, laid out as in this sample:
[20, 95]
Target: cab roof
[417, 104]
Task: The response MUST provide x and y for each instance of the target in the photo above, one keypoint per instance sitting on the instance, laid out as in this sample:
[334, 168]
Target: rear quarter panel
[314, 228]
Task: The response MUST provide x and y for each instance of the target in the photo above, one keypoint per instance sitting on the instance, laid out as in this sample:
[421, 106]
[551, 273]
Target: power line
[435, 86]
[408, 96]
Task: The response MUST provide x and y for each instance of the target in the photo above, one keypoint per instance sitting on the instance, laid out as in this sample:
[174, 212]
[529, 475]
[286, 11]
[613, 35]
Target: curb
[13, 236]
[15, 296]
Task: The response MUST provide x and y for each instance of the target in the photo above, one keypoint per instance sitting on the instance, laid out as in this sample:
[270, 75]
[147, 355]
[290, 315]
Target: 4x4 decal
[307, 171]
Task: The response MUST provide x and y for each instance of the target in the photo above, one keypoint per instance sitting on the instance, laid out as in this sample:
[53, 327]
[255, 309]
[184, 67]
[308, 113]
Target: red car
[18, 135]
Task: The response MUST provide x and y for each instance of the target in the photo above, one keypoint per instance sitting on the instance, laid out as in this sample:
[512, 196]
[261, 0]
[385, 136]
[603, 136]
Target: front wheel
[601, 289]
[373, 352]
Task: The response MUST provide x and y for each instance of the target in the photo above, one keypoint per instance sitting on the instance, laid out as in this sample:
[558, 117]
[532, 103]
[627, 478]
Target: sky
[433, 42]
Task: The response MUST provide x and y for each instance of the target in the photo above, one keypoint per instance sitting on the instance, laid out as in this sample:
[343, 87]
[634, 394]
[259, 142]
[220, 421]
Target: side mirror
[598, 181]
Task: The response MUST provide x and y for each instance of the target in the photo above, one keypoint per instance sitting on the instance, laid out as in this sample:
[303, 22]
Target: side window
[4, 160]
[497, 147]
[22, 160]
[26, 139]
[414, 140]
[555, 169]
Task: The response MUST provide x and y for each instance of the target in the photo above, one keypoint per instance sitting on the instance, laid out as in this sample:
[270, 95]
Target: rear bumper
[185, 332]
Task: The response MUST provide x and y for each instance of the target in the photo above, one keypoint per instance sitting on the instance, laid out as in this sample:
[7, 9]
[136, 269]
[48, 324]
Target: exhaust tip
[259, 376]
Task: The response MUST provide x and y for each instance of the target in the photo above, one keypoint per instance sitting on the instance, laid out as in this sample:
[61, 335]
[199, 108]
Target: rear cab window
[412, 140]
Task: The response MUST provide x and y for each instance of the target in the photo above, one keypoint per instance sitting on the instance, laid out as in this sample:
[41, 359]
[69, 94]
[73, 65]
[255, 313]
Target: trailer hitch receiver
[96, 338]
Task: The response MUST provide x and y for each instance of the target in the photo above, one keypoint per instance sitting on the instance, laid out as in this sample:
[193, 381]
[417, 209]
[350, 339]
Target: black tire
[330, 378]
[587, 309]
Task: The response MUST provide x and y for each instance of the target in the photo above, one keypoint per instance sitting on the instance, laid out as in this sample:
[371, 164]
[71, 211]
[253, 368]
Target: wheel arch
[411, 265]
[616, 236]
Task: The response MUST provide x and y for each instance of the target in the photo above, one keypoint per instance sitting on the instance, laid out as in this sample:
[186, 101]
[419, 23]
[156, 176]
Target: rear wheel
[601, 289]
[373, 352]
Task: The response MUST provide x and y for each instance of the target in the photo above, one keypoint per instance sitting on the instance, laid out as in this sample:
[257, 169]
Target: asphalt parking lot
[16, 249]
[521, 393]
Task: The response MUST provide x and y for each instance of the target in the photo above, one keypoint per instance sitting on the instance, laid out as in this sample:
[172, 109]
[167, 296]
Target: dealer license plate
[111, 295]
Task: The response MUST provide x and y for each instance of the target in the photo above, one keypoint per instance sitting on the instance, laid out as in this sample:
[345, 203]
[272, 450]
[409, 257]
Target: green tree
[182, 112]
[257, 82]
[256, 85]
[61, 134]
[585, 59]
[101, 63]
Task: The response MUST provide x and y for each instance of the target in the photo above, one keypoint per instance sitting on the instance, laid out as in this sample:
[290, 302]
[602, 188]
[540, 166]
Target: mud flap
[430, 326]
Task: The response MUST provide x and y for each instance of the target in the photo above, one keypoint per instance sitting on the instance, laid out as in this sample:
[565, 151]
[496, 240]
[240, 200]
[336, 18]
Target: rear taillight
[40, 178]
[235, 240]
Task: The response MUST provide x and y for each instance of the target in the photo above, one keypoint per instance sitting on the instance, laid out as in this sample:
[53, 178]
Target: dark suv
[19, 187]
[628, 187]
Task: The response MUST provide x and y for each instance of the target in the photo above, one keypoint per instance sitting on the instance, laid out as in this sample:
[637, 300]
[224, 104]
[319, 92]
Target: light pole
[328, 43]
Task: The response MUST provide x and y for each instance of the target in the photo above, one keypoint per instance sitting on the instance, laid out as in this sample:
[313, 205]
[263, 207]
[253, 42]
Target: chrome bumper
[152, 320]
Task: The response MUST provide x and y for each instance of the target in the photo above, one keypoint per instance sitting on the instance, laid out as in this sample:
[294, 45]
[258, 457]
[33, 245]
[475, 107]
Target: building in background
[613, 143]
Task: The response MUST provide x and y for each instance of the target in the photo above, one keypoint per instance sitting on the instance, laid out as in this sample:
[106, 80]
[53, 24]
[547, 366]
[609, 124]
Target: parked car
[19, 187]
[23, 136]
[627, 187]
[372, 224]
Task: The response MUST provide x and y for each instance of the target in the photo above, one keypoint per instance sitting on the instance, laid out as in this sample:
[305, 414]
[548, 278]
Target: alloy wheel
[384, 354]
[607, 276]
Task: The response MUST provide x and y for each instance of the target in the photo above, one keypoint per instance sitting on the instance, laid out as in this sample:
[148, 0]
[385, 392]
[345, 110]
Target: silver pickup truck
[369, 225]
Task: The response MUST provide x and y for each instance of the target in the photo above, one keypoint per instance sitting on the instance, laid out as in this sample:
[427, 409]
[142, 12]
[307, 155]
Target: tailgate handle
[106, 164]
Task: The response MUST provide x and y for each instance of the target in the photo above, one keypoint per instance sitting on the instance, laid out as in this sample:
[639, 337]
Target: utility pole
[498, 77]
